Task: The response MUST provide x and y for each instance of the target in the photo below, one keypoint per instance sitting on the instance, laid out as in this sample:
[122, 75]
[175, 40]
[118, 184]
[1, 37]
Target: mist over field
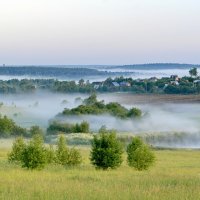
[163, 119]
[93, 72]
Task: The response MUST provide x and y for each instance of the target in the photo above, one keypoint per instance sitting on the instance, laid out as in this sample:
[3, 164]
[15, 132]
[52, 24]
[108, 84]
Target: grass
[176, 175]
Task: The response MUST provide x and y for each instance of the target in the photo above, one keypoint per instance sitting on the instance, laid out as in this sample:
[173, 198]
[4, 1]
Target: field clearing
[176, 175]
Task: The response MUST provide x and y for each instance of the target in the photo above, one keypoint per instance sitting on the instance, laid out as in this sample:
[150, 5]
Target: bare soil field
[128, 98]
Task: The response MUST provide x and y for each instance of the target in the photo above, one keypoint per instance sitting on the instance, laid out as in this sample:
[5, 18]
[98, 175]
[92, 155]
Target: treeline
[165, 85]
[8, 128]
[92, 106]
[50, 71]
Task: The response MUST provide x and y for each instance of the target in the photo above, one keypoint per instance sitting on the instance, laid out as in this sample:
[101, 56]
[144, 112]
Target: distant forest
[158, 66]
[50, 71]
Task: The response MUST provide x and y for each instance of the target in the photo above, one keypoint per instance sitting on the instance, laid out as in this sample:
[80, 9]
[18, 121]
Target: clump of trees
[9, 128]
[94, 107]
[107, 152]
[35, 155]
[56, 127]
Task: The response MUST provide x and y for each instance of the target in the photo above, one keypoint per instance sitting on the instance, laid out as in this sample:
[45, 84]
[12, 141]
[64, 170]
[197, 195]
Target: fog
[163, 119]
[133, 73]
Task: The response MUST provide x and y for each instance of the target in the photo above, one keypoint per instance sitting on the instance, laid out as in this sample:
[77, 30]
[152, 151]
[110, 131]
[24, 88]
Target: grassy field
[176, 175]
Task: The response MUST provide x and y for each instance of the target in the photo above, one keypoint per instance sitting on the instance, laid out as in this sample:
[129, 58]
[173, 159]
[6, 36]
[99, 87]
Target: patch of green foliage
[34, 154]
[16, 154]
[140, 155]
[66, 156]
[56, 127]
[94, 107]
[9, 128]
[106, 150]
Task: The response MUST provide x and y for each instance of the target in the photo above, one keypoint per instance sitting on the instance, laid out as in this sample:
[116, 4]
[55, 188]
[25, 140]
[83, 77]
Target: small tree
[139, 155]
[65, 156]
[74, 157]
[61, 151]
[17, 149]
[34, 154]
[135, 113]
[106, 151]
[193, 72]
[85, 127]
[50, 154]
[35, 130]
[92, 99]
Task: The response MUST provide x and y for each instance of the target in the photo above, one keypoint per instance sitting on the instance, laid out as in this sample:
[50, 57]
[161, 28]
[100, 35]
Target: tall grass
[176, 175]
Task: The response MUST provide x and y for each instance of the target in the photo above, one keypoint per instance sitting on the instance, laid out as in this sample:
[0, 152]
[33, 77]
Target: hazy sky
[99, 31]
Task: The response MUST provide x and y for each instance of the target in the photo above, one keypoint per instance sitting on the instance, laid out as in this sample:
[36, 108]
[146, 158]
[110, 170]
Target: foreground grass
[176, 175]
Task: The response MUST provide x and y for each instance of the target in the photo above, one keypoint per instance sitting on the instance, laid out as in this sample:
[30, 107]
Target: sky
[101, 32]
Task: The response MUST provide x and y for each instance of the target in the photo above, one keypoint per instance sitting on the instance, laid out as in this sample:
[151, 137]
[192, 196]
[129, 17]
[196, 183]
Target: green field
[176, 175]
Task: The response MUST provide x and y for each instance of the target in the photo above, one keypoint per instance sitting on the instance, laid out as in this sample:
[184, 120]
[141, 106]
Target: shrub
[61, 151]
[65, 156]
[140, 155]
[106, 151]
[34, 154]
[50, 154]
[17, 149]
[85, 127]
[74, 157]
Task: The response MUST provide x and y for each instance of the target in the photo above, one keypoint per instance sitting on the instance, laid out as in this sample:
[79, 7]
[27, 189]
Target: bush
[106, 151]
[50, 154]
[74, 157]
[17, 149]
[139, 155]
[65, 156]
[61, 151]
[34, 154]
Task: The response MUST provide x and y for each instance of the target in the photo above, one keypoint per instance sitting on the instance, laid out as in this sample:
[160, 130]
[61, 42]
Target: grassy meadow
[176, 175]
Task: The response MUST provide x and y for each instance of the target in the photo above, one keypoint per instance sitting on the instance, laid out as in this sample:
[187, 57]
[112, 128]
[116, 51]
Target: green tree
[17, 149]
[34, 154]
[65, 156]
[193, 72]
[140, 155]
[74, 157]
[92, 99]
[106, 151]
[6, 126]
[35, 130]
[50, 154]
[61, 151]
[85, 127]
[134, 113]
